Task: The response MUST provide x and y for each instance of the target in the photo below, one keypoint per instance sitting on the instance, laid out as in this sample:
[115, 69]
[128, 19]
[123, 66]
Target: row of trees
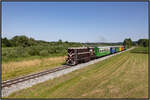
[24, 41]
[141, 42]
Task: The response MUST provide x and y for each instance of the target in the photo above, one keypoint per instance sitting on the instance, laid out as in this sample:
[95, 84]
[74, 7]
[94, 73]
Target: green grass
[121, 76]
[143, 50]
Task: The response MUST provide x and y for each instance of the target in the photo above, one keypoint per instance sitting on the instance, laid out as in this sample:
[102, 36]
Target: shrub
[21, 52]
[12, 53]
[44, 53]
[33, 51]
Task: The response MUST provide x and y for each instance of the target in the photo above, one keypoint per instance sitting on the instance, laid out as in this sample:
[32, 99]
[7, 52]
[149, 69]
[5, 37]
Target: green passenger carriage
[101, 51]
[117, 49]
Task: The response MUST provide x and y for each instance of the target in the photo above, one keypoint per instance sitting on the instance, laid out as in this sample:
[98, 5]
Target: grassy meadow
[121, 76]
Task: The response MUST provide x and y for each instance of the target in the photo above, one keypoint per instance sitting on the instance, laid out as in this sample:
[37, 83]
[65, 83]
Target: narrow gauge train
[84, 54]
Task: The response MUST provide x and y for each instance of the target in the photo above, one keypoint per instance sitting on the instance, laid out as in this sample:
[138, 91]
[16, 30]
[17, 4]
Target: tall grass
[15, 69]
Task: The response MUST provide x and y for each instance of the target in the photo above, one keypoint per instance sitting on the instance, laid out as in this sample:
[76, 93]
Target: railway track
[8, 83]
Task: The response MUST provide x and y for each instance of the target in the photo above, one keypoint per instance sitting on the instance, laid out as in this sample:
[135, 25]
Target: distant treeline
[127, 43]
[141, 42]
[24, 41]
[103, 44]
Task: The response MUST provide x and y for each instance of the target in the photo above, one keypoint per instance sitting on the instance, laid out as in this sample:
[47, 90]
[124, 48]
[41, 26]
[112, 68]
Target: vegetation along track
[8, 83]
[32, 76]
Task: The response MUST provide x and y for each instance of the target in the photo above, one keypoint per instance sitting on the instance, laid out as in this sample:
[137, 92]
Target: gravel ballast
[29, 83]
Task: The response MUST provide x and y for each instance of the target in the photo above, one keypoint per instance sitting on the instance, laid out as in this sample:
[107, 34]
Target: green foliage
[22, 41]
[22, 46]
[6, 43]
[66, 41]
[143, 42]
[127, 43]
[60, 41]
[33, 50]
[44, 53]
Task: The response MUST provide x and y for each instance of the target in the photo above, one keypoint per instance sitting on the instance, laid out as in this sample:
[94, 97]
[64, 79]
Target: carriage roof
[108, 46]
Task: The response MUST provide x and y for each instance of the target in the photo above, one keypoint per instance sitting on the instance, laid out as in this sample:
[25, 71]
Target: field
[121, 76]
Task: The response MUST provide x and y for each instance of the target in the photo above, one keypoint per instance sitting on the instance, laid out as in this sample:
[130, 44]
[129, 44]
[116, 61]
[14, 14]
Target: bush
[12, 53]
[33, 51]
[44, 53]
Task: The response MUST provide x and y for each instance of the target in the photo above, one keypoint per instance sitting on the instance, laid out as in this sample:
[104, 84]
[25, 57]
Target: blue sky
[76, 21]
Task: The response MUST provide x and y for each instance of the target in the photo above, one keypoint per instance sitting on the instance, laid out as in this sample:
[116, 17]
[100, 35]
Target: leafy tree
[6, 42]
[60, 41]
[143, 42]
[21, 41]
[66, 42]
[127, 43]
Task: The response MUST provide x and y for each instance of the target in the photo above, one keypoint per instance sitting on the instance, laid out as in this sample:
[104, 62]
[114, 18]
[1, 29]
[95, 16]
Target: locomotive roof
[93, 47]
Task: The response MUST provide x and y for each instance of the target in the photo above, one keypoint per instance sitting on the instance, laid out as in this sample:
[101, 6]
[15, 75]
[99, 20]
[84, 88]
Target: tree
[21, 41]
[127, 43]
[143, 42]
[59, 41]
[66, 42]
[6, 42]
